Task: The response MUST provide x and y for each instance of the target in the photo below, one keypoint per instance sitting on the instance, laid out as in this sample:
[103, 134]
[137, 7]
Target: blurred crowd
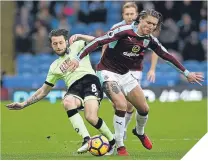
[184, 30]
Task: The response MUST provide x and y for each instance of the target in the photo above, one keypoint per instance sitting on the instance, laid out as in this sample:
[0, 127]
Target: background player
[84, 88]
[113, 69]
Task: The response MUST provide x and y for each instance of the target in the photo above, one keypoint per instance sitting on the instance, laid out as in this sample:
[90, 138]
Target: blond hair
[129, 5]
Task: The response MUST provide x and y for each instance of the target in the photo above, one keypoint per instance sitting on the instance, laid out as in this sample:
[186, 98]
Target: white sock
[128, 117]
[78, 125]
[140, 123]
[119, 124]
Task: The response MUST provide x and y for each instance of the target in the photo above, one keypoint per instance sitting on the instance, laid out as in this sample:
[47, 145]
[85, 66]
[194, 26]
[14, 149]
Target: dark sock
[112, 142]
[72, 112]
[86, 138]
[120, 113]
[142, 114]
[99, 123]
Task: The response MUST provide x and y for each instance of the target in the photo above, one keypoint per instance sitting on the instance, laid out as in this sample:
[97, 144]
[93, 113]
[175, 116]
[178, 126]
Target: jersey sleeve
[113, 26]
[157, 47]
[51, 78]
[77, 46]
[116, 25]
[110, 36]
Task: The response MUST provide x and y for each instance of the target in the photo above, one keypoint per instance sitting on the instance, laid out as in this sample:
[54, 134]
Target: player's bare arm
[151, 72]
[37, 96]
[76, 37]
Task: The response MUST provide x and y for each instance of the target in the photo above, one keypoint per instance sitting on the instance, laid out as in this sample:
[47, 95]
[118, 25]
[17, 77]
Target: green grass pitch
[43, 131]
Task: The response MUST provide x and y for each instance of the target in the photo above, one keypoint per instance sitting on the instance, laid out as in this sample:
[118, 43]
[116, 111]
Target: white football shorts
[127, 81]
[137, 75]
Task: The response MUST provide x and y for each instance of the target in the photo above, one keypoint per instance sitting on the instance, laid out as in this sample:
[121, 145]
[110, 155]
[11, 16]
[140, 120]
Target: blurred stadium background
[26, 53]
[27, 50]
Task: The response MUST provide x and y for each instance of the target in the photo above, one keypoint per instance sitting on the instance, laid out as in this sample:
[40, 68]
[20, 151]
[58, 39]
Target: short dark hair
[59, 32]
[151, 12]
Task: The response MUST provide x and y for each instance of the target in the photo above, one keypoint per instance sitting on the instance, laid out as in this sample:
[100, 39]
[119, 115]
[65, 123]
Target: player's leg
[128, 117]
[71, 103]
[91, 115]
[135, 95]
[130, 108]
[138, 100]
[93, 94]
[113, 91]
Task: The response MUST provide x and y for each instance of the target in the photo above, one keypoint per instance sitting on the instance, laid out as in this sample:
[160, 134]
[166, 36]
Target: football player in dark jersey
[114, 70]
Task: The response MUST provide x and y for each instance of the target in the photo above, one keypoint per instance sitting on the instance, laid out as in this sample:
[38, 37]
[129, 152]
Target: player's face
[129, 14]
[147, 25]
[59, 45]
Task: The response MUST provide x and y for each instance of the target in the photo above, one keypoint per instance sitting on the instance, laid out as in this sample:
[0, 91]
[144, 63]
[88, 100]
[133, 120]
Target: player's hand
[73, 65]
[73, 38]
[151, 76]
[195, 78]
[15, 106]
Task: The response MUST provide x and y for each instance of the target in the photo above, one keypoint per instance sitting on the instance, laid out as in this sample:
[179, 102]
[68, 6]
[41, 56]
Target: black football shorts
[85, 87]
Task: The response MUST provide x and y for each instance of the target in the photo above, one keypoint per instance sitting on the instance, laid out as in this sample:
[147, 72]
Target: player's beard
[61, 54]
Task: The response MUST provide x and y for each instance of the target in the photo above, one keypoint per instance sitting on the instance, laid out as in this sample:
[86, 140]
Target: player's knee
[69, 103]
[91, 118]
[144, 109]
[120, 105]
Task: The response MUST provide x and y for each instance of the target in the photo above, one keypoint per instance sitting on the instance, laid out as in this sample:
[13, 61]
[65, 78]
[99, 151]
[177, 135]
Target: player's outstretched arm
[37, 96]
[192, 77]
[151, 72]
[77, 37]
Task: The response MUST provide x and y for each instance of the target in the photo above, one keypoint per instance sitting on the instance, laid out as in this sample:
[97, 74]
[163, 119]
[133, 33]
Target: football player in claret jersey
[84, 88]
[129, 13]
[116, 62]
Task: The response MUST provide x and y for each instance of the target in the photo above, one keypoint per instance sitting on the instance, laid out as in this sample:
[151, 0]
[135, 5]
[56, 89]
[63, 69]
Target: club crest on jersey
[110, 34]
[135, 49]
[145, 43]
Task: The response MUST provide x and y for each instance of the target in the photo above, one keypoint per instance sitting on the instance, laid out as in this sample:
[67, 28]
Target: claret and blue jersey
[126, 50]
